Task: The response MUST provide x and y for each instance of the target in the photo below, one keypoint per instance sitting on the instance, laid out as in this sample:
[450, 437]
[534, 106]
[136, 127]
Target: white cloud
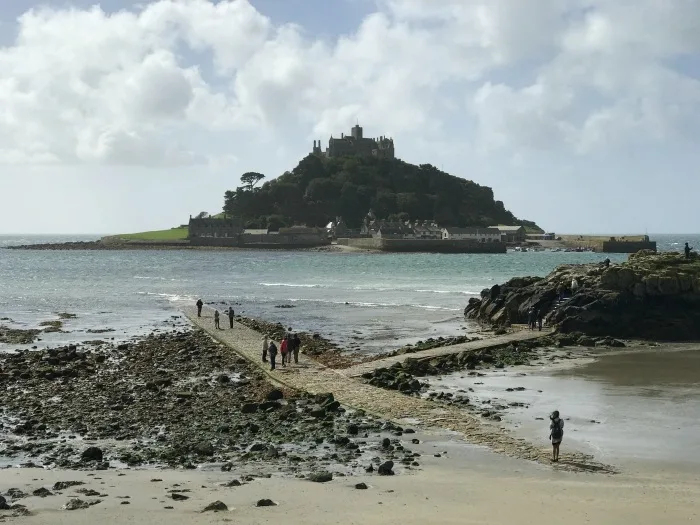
[168, 84]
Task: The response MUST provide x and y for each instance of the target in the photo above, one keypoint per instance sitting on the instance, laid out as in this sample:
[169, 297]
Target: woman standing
[556, 433]
[284, 349]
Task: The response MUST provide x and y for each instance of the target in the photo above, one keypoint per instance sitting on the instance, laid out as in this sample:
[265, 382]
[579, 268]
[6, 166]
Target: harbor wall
[425, 245]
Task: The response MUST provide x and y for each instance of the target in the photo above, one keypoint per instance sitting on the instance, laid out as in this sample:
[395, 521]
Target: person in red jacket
[284, 349]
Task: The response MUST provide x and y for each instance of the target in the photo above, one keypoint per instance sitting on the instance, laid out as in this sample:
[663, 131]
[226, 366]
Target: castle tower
[356, 132]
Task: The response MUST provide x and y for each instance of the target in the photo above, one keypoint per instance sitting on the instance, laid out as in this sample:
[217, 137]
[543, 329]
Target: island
[355, 193]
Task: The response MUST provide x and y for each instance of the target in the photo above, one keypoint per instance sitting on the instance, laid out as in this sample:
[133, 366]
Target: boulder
[204, 448]
[3, 504]
[275, 395]
[217, 506]
[249, 408]
[92, 454]
[265, 503]
[386, 469]
[320, 477]
[361, 486]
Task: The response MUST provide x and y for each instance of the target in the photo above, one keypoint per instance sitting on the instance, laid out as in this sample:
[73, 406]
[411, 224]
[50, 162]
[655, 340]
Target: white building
[472, 234]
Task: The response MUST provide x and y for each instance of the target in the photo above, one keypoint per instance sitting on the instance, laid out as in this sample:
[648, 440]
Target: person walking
[216, 320]
[199, 307]
[556, 433]
[284, 349]
[272, 351]
[539, 316]
[266, 344]
[297, 346]
[231, 315]
[531, 318]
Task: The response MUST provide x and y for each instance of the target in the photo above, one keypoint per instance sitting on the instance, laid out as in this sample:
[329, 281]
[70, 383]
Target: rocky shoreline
[409, 377]
[652, 296]
[178, 400]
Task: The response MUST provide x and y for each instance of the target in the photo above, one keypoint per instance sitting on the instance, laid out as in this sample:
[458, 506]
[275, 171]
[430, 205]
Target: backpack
[556, 429]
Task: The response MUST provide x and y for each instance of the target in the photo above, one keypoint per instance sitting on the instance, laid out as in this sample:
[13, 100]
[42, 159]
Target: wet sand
[453, 489]
[638, 409]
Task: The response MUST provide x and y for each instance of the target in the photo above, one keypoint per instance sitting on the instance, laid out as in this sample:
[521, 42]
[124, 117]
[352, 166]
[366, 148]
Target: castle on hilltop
[356, 145]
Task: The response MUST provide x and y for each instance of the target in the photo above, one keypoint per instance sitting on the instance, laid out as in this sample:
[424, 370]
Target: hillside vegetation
[173, 234]
[320, 189]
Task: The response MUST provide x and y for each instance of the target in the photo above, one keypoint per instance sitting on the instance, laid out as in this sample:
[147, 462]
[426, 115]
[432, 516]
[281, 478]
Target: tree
[202, 215]
[250, 179]
[319, 189]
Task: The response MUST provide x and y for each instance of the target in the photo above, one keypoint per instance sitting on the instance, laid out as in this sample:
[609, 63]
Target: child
[556, 433]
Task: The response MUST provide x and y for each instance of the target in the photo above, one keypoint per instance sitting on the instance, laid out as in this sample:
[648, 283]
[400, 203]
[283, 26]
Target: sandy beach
[457, 490]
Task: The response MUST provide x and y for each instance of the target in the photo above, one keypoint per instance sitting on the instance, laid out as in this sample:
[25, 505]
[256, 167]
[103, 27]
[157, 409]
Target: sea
[365, 302]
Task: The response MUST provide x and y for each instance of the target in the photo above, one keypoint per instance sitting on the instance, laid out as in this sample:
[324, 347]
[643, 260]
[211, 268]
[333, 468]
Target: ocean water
[366, 302]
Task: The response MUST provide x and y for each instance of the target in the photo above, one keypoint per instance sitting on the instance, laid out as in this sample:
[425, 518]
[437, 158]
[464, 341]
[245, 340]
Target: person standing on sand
[266, 344]
[297, 345]
[216, 320]
[231, 315]
[556, 433]
[272, 350]
[539, 319]
[199, 307]
[284, 349]
[530, 318]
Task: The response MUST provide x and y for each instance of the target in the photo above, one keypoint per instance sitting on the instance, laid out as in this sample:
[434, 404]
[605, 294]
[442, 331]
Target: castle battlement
[356, 145]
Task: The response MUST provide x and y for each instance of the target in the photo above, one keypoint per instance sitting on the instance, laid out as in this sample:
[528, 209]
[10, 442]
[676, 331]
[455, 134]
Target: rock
[265, 503]
[233, 483]
[15, 494]
[320, 477]
[77, 504]
[650, 296]
[63, 485]
[386, 443]
[217, 506]
[361, 486]
[205, 448]
[318, 412]
[249, 408]
[42, 492]
[269, 406]
[178, 497]
[92, 454]
[353, 429]
[386, 469]
[3, 504]
[88, 492]
[275, 395]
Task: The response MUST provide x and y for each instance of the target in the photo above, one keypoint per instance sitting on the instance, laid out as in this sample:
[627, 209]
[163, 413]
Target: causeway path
[487, 342]
[315, 378]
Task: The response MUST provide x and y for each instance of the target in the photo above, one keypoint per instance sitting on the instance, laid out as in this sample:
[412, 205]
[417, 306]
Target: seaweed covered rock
[651, 296]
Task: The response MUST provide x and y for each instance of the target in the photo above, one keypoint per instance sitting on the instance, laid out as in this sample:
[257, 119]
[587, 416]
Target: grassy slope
[173, 234]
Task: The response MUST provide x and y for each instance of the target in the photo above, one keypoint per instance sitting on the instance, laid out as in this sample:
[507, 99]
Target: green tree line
[320, 189]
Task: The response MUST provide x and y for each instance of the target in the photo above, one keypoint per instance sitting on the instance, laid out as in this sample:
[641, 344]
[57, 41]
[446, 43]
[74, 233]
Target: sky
[582, 115]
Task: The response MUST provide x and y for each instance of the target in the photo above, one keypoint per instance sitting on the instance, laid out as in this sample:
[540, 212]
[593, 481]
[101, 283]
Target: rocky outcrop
[651, 296]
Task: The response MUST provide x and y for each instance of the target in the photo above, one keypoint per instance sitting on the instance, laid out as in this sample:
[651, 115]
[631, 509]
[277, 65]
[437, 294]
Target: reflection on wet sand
[626, 408]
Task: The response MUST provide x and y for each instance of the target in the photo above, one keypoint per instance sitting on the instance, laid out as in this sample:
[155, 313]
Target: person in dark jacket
[272, 354]
[216, 320]
[199, 307]
[231, 315]
[297, 346]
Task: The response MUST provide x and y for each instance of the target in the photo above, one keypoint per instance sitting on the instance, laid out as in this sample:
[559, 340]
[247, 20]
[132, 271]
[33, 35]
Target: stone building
[356, 144]
[210, 227]
[511, 233]
[472, 234]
